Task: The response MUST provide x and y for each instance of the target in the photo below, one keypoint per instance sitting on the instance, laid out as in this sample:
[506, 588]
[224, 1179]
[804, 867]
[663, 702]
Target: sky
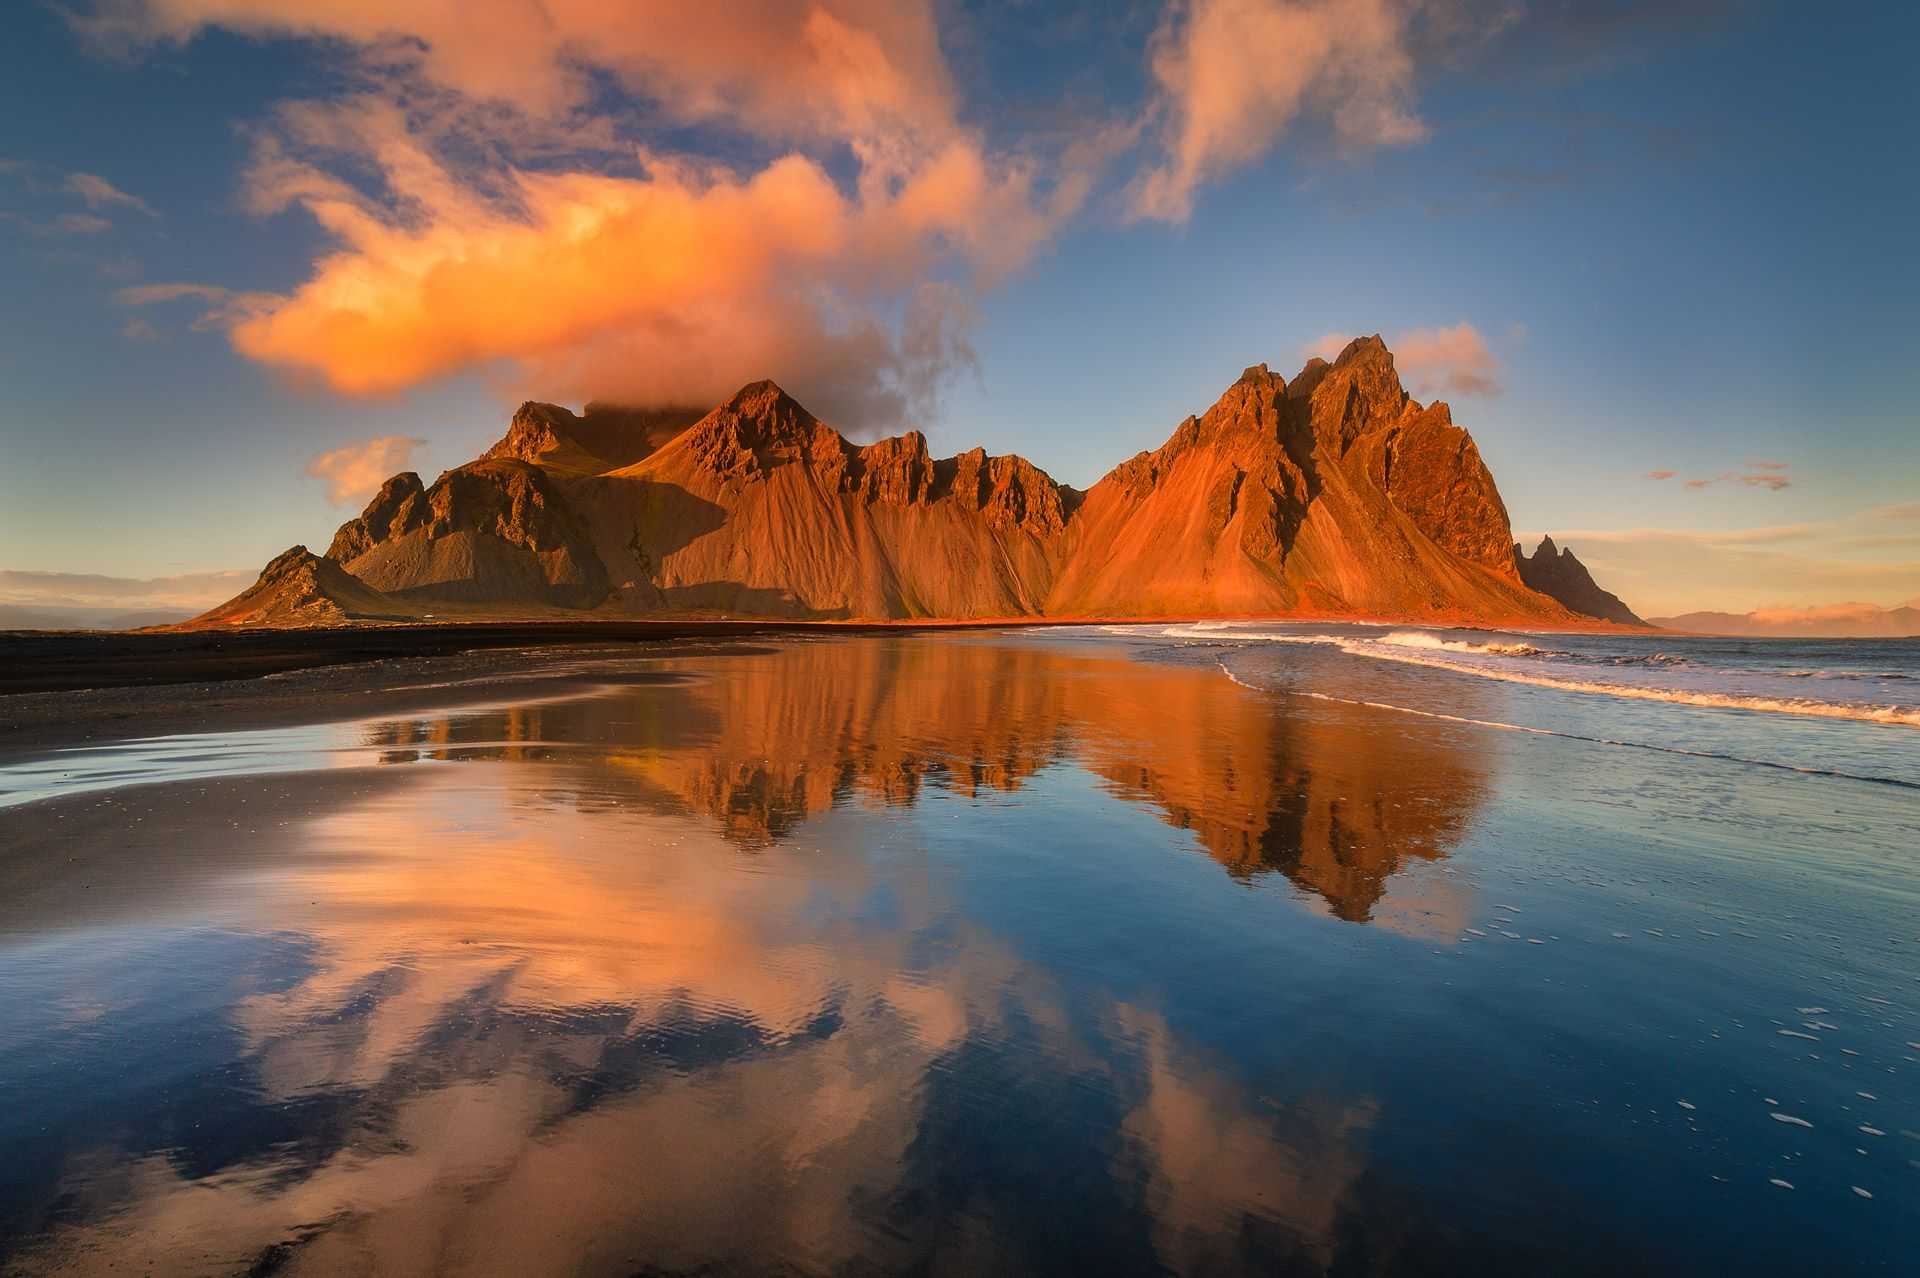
[1658, 257]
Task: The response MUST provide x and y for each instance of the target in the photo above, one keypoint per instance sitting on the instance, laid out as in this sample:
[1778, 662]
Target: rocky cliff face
[761, 508]
[1556, 573]
[494, 530]
[1335, 493]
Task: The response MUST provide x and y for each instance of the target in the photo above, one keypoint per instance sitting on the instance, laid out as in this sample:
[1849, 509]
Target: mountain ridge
[1333, 494]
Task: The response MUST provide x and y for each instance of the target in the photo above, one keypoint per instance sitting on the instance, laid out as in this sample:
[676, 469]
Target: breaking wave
[1420, 648]
[1421, 639]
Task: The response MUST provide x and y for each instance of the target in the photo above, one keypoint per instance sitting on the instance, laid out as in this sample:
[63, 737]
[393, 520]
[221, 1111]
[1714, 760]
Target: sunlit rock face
[1337, 493]
[1333, 494]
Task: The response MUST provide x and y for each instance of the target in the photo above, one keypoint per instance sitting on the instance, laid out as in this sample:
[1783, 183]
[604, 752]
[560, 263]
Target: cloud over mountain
[490, 205]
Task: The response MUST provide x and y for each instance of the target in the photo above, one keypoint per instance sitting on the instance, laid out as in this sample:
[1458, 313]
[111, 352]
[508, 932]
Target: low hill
[1835, 621]
[300, 588]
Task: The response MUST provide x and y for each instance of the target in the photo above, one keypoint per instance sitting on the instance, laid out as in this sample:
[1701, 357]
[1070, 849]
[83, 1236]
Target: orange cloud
[1770, 475]
[1661, 474]
[782, 68]
[676, 285]
[673, 280]
[356, 471]
[1452, 359]
[1233, 75]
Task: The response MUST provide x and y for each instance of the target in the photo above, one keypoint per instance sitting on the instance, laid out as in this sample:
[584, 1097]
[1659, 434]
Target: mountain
[1835, 621]
[1556, 573]
[1334, 494]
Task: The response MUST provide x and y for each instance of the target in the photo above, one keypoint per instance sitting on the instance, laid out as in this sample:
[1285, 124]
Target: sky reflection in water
[965, 954]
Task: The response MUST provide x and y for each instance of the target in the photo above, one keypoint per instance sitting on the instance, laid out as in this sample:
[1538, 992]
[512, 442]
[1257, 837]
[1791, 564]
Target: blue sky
[1677, 237]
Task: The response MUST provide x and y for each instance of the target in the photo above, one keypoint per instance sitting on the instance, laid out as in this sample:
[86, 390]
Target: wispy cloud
[60, 224]
[355, 471]
[220, 307]
[1661, 474]
[1233, 75]
[99, 193]
[1770, 475]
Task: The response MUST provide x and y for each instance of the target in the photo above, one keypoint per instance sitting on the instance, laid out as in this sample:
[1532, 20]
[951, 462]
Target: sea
[1200, 949]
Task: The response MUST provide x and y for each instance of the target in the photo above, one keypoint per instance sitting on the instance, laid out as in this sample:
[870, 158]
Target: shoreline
[64, 661]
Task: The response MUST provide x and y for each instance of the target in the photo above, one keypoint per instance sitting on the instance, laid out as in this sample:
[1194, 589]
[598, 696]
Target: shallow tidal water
[1133, 951]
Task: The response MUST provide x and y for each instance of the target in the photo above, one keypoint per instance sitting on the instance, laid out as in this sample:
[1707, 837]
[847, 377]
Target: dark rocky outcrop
[494, 530]
[1556, 573]
[300, 588]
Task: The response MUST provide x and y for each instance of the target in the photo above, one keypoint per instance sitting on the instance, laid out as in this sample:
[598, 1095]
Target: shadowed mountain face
[1333, 494]
[1556, 573]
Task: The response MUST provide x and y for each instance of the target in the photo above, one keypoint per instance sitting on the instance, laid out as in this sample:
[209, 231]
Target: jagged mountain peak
[1558, 574]
[1335, 493]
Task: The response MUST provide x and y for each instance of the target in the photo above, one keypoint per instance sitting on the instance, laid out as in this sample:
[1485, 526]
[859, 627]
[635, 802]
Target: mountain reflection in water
[948, 954]
[1337, 800]
[672, 977]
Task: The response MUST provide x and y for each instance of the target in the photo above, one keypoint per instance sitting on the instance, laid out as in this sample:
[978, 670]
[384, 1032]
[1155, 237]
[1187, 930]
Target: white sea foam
[1422, 639]
[1420, 648]
[1574, 736]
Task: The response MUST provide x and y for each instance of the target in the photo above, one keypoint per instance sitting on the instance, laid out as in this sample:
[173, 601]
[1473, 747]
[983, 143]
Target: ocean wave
[1434, 653]
[1421, 639]
[1908, 716]
[1609, 741]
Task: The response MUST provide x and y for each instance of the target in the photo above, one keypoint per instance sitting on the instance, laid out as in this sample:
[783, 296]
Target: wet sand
[56, 661]
[60, 688]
